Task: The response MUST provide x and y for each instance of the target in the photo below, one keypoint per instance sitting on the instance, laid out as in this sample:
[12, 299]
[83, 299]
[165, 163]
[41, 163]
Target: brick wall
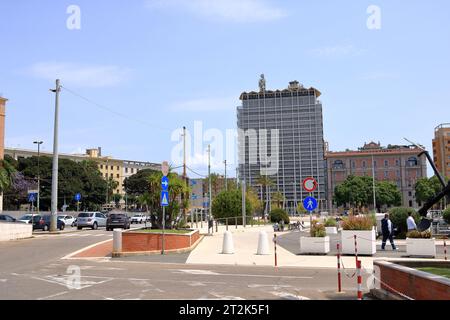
[412, 283]
[144, 242]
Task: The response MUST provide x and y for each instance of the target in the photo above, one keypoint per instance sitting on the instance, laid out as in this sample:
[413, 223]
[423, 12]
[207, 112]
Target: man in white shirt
[411, 224]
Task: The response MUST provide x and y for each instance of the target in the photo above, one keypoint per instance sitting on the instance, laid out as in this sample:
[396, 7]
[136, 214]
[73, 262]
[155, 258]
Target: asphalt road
[33, 269]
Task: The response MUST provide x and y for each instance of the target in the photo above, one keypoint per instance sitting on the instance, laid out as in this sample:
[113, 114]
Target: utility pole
[373, 186]
[243, 205]
[226, 182]
[186, 195]
[209, 187]
[39, 173]
[54, 202]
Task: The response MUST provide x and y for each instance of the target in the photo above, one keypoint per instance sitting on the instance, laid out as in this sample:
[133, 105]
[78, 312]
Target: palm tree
[7, 172]
[266, 182]
[278, 198]
[177, 187]
[111, 186]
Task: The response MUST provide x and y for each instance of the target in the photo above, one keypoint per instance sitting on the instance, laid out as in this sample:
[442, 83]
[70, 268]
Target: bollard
[275, 248]
[263, 244]
[117, 241]
[445, 250]
[228, 246]
[358, 272]
[339, 267]
[356, 250]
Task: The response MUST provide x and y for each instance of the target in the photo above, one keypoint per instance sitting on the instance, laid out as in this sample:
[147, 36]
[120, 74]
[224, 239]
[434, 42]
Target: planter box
[331, 230]
[315, 245]
[421, 247]
[366, 242]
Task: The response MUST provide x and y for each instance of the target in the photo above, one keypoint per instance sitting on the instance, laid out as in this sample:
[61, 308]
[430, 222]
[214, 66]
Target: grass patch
[443, 272]
[171, 231]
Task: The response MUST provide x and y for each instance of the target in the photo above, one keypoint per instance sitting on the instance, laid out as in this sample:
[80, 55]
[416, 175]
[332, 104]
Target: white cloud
[206, 104]
[229, 10]
[337, 51]
[93, 76]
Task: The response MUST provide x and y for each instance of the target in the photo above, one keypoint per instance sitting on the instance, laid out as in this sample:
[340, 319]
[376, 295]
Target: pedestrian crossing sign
[164, 198]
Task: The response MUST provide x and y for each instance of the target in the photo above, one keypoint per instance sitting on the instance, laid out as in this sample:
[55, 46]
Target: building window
[410, 194]
[112, 176]
[375, 164]
[397, 163]
[338, 164]
[126, 170]
[386, 163]
[398, 173]
[118, 168]
[412, 162]
[386, 174]
[101, 166]
[353, 164]
[118, 176]
[112, 167]
[363, 164]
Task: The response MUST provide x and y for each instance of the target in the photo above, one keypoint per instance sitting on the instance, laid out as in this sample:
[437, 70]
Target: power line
[119, 114]
[201, 175]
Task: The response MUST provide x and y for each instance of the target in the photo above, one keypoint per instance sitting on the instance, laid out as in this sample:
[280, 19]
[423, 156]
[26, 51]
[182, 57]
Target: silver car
[92, 220]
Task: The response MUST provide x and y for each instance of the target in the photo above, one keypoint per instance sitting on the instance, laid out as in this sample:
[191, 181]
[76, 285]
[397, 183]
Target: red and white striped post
[358, 272]
[275, 246]
[356, 251]
[339, 267]
[445, 250]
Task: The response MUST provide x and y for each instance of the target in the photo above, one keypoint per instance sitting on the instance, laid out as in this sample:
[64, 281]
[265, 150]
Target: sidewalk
[246, 243]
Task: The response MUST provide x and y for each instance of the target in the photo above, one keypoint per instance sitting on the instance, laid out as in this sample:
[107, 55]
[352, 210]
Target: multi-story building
[398, 164]
[293, 119]
[441, 149]
[109, 167]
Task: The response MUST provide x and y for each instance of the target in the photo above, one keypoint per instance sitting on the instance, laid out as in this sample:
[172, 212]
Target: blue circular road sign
[77, 197]
[310, 204]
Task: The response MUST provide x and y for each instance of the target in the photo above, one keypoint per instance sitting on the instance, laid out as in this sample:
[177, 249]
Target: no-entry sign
[310, 184]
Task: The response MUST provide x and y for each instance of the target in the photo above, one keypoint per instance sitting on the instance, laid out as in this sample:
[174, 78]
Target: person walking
[411, 224]
[387, 230]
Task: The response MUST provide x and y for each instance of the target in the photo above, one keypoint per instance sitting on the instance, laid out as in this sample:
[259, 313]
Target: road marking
[212, 273]
[70, 255]
[224, 297]
[53, 296]
[275, 287]
[3, 280]
[288, 296]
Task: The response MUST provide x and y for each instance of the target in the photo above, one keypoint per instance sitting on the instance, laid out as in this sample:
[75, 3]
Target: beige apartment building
[117, 169]
[441, 149]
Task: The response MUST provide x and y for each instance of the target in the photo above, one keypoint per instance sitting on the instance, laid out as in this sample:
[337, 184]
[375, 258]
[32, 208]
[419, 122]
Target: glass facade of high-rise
[295, 115]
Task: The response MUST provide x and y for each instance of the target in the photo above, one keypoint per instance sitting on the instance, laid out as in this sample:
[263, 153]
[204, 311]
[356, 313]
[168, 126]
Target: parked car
[92, 220]
[68, 220]
[138, 218]
[43, 223]
[117, 220]
[6, 218]
[26, 218]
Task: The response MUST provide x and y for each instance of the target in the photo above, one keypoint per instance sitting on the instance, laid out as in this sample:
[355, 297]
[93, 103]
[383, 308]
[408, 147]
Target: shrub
[419, 235]
[398, 217]
[357, 223]
[277, 215]
[446, 215]
[330, 222]
[318, 230]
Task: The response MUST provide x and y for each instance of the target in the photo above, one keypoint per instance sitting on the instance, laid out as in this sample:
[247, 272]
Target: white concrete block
[263, 244]
[228, 246]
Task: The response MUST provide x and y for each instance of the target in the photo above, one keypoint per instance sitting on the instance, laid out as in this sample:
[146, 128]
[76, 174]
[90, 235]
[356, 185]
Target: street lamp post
[373, 186]
[39, 174]
[54, 202]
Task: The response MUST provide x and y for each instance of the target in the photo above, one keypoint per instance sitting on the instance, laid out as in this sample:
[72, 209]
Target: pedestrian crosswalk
[78, 235]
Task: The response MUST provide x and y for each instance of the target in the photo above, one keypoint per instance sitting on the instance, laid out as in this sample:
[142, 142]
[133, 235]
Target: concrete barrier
[263, 244]
[15, 231]
[228, 246]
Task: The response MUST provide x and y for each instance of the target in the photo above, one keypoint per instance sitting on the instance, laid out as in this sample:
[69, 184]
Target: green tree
[228, 204]
[355, 191]
[116, 198]
[138, 184]
[427, 188]
[7, 171]
[387, 194]
[111, 186]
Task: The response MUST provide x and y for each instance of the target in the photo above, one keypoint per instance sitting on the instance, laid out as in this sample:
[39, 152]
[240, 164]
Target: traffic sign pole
[163, 229]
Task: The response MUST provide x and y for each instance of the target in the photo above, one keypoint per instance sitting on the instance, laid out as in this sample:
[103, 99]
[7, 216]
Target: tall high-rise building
[281, 137]
[2, 137]
[441, 149]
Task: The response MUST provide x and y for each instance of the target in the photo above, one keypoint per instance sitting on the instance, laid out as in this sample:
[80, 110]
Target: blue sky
[160, 65]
